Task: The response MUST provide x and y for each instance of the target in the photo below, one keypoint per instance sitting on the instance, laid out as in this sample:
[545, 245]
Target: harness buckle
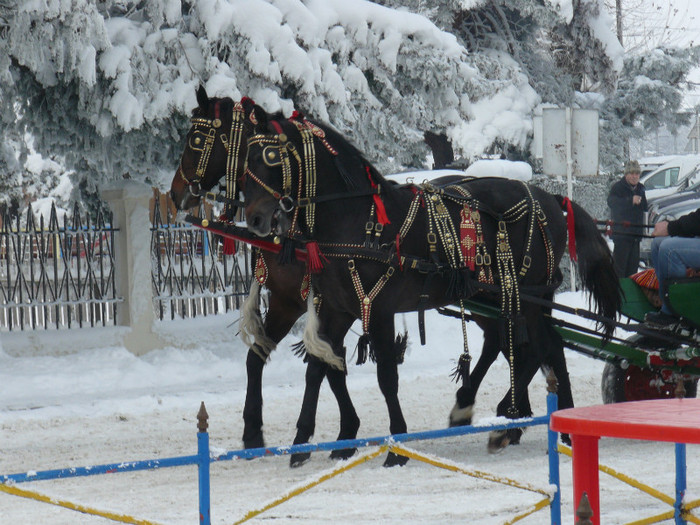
[527, 260]
[304, 202]
[286, 204]
[502, 226]
[351, 265]
[369, 226]
[432, 238]
[390, 271]
[379, 228]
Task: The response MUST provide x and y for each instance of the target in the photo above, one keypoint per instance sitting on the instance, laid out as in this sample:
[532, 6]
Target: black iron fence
[58, 273]
[191, 273]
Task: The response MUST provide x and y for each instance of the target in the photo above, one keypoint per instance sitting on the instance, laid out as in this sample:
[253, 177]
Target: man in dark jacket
[627, 202]
[675, 248]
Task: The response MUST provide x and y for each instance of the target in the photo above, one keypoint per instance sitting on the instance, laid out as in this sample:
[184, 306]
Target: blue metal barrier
[203, 459]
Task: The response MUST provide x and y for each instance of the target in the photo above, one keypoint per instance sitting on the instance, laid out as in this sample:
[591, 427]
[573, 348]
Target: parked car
[688, 190]
[671, 207]
[668, 178]
[649, 164]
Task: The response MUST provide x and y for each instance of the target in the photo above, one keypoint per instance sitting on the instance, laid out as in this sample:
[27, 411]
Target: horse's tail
[595, 263]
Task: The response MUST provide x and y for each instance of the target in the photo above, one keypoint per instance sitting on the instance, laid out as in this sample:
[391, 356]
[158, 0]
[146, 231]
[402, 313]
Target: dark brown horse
[307, 182]
[216, 146]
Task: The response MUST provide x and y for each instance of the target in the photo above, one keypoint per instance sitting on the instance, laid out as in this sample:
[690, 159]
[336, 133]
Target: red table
[674, 420]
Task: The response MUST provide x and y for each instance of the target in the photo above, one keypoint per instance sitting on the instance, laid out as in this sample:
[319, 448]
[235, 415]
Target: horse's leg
[349, 421]
[306, 424]
[386, 352]
[525, 370]
[334, 325]
[281, 316]
[463, 411]
[528, 358]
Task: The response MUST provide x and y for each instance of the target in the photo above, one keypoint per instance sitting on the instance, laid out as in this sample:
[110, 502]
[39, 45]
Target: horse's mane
[348, 156]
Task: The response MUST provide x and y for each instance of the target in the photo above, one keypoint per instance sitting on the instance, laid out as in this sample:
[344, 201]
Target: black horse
[216, 145]
[387, 249]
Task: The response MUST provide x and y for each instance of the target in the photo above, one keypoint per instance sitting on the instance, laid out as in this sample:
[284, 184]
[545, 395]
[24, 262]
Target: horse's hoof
[461, 416]
[345, 453]
[297, 460]
[393, 460]
[498, 440]
[514, 434]
[256, 442]
[566, 439]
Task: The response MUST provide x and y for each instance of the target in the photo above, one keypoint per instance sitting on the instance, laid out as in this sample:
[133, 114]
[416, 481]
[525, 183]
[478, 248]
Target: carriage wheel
[635, 384]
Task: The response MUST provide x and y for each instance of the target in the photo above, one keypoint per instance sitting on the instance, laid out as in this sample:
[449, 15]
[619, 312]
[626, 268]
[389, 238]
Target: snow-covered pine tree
[649, 94]
[108, 85]
[563, 47]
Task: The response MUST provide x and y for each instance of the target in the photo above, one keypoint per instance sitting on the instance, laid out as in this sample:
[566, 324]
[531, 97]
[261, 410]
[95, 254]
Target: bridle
[203, 139]
[277, 151]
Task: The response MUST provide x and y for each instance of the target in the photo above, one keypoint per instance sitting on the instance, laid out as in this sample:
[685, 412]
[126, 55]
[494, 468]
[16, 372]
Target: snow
[105, 405]
[506, 169]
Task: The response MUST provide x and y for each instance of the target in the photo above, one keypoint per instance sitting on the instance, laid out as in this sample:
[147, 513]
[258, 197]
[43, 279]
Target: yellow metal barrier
[413, 454]
[316, 481]
[10, 489]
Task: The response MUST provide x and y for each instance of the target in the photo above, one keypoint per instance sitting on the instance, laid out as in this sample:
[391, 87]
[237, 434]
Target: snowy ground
[103, 406]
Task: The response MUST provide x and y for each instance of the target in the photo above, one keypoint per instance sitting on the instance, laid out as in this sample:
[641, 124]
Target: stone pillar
[129, 202]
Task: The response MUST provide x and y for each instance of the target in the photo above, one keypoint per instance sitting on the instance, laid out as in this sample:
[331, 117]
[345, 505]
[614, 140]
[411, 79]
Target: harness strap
[233, 148]
[366, 299]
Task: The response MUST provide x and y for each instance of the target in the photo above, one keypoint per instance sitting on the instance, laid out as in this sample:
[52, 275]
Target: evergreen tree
[108, 85]
[649, 95]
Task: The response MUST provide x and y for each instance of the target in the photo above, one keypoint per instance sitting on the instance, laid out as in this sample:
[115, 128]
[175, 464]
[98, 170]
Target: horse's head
[272, 176]
[293, 164]
[215, 146]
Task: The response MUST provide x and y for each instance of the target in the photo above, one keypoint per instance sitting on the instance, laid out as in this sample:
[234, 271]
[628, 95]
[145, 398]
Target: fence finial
[202, 418]
[584, 512]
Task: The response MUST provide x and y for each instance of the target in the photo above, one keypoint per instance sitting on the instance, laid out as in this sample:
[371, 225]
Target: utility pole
[618, 23]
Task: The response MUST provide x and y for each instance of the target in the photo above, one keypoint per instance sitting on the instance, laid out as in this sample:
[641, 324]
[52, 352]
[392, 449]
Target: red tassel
[382, 217]
[398, 254]
[297, 115]
[315, 257]
[571, 228]
[229, 246]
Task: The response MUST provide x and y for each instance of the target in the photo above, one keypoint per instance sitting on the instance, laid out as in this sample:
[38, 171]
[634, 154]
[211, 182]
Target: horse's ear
[202, 98]
[258, 116]
[248, 106]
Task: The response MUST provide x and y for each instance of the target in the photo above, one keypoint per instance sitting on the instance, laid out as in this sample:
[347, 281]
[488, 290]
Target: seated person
[675, 248]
